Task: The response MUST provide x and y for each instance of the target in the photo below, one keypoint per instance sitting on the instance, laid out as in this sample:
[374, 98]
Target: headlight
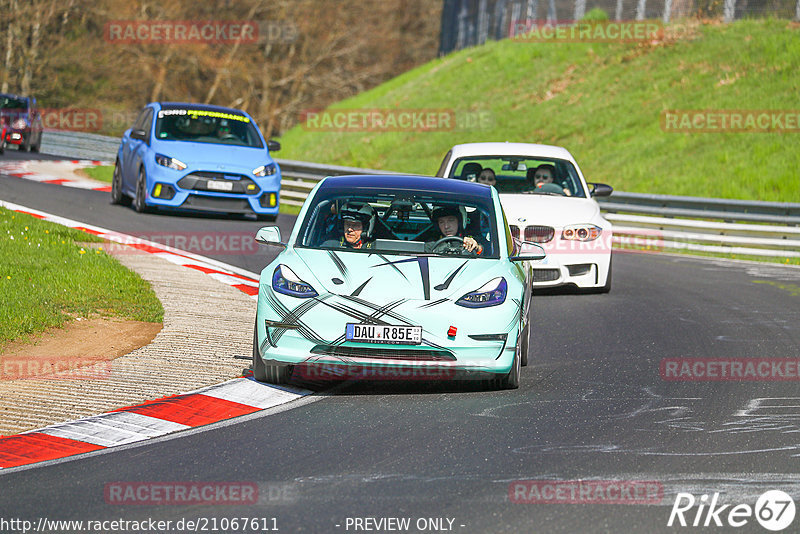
[169, 162]
[491, 293]
[265, 170]
[581, 232]
[19, 124]
[286, 282]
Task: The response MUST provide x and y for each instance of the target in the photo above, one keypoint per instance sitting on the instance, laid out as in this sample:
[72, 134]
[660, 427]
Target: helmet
[365, 214]
[456, 211]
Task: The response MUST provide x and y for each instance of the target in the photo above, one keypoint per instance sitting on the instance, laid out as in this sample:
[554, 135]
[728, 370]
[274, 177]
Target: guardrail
[663, 221]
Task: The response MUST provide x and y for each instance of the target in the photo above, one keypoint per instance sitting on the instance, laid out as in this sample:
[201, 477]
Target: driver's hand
[472, 246]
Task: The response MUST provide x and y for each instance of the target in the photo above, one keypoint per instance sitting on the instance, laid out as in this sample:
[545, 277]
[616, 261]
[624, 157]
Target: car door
[130, 168]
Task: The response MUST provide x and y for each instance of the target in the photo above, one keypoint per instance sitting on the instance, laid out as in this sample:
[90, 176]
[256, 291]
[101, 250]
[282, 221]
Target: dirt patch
[80, 343]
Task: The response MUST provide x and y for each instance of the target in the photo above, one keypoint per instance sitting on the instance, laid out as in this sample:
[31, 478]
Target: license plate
[220, 186]
[396, 335]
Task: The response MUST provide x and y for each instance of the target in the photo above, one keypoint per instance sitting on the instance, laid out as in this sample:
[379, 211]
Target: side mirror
[600, 190]
[270, 235]
[273, 146]
[529, 252]
[141, 135]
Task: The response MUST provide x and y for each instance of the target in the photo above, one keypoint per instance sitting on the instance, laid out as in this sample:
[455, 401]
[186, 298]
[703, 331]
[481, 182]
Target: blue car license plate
[397, 335]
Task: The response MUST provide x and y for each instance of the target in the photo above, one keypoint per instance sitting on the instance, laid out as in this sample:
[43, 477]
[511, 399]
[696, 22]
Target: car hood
[385, 278]
[220, 157]
[552, 210]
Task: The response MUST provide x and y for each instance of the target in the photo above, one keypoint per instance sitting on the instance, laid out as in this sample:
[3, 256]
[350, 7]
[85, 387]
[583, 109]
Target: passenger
[357, 227]
[487, 177]
[450, 222]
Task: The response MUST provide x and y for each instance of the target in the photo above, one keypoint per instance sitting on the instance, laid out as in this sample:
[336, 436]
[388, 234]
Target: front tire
[117, 196]
[273, 374]
[511, 379]
[25, 145]
[36, 147]
[139, 203]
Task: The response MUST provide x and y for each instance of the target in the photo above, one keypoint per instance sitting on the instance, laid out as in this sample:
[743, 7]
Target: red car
[23, 123]
[3, 132]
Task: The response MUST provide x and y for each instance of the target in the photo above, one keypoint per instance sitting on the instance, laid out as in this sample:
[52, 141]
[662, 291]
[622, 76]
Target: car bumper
[265, 201]
[581, 270]
[310, 333]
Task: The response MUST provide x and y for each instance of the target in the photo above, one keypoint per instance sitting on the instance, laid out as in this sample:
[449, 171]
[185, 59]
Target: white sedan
[547, 201]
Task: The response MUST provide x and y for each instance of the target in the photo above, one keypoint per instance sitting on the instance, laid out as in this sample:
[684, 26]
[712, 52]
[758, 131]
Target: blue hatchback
[196, 157]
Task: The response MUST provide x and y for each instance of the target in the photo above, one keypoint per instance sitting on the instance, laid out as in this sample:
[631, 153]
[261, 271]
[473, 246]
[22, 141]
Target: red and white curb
[243, 280]
[56, 169]
[155, 418]
[234, 398]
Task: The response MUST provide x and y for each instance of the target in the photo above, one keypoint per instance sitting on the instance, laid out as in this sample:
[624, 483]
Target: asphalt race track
[592, 405]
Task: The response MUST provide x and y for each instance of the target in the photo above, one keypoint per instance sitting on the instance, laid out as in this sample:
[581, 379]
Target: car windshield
[7, 102]
[398, 222]
[206, 126]
[516, 174]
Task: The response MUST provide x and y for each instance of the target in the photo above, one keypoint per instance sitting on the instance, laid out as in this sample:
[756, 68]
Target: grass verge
[47, 278]
[603, 102]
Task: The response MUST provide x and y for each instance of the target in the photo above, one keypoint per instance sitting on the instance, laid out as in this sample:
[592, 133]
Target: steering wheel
[451, 249]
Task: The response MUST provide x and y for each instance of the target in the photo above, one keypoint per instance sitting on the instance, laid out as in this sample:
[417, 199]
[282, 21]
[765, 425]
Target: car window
[138, 124]
[147, 125]
[514, 174]
[402, 222]
[206, 126]
[7, 102]
[443, 166]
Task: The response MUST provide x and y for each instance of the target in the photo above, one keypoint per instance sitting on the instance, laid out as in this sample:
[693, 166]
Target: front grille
[546, 275]
[514, 230]
[199, 181]
[428, 355]
[231, 205]
[539, 234]
[579, 269]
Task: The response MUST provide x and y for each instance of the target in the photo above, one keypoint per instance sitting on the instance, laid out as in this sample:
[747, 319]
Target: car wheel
[117, 196]
[25, 145]
[38, 145]
[526, 338]
[511, 379]
[273, 374]
[2, 144]
[139, 203]
[607, 287]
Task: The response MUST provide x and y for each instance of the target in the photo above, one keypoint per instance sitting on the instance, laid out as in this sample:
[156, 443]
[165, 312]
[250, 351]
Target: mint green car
[400, 277]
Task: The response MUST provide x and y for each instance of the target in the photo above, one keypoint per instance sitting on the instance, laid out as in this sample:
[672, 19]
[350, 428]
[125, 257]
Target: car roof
[511, 149]
[410, 182]
[204, 107]
[12, 95]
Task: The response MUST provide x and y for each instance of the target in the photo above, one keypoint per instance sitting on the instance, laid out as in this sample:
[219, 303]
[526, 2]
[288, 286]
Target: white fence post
[618, 13]
[580, 9]
[729, 10]
[640, 7]
[667, 11]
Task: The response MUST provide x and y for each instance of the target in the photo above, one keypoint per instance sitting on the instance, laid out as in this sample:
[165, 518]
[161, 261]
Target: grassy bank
[47, 278]
[604, 102]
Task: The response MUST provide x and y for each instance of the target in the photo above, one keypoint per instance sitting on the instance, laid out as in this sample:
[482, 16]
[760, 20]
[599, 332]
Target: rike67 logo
[774, 510]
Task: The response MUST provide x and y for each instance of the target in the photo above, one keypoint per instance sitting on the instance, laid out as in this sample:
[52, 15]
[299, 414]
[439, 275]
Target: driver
[545, 174]
[357, 226]
[450, 222]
